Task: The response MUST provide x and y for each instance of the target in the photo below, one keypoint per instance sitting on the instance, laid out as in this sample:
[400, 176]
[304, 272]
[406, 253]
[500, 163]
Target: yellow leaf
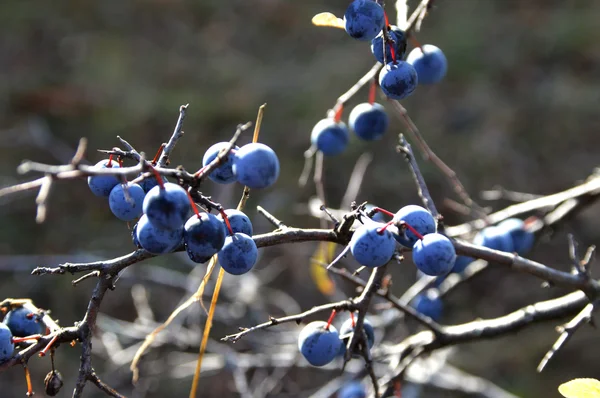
[580, 388]
[328, 19]
[323, 255]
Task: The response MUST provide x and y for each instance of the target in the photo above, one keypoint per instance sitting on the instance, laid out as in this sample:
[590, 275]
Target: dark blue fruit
[121, 207]
[521, 237]
[238, 220]
[370, 247]
[134, 238]
[22, 322]
[317, 344]
[434, 255]
[224, 173]
[379, 217]
[431, 66]
[7, 348]
[330, 137]
[204, 236]
[353, 389]
[398, 80]
[155, 240]
[239, 254]
[256, 166]
[369, 121]
[102, 185]
[148, 183]
[399, 46]
[429, 304]
[495, 238]
[364, 19]
[346, 329]
[461, 263]
[417, 217]
[168, 207]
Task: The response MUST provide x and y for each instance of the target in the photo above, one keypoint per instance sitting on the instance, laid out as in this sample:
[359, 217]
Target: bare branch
[177, 134]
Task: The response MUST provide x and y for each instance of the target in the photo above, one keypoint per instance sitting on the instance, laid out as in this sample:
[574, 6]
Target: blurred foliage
[518, 108]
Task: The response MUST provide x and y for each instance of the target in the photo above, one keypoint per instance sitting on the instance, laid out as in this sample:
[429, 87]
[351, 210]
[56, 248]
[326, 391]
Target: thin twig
[566, 332]
[177, 134]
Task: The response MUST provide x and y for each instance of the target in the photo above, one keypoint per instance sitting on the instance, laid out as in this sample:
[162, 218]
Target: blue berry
[148, 183]
[22, 322]
[434, 254]
[521, 237]
[330, 137]
[429, 304]
[353, 390]
[134, 238]
[364, 19]
[379, 217]
[204, 236]
[155, 240]
[7, 348]
[102, 185]
[461, 263]
[417, 217]
[239, 254]
[123, 209]
[168, 207]
[224, 173]
[346, 329]
[238, 220]
[369, 121]
[371, 248]
[495, 238]
[317, 344]
[398, 80]
[256, 166]
[431, 66]
[399, 45]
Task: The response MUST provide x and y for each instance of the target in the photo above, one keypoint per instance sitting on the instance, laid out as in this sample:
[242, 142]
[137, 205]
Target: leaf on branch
[323, 255]
[580, 388]
[329, 20]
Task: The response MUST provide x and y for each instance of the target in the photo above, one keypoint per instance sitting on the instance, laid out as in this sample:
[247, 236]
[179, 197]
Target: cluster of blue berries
[365, 20]
[18, 325]
[373, 244]
[164, 208]
[255, 165]
[321, 343]
[511, 235]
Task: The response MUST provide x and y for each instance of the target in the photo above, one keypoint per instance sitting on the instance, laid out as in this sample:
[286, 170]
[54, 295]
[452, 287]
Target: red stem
[416, 43]
[110, 159]
[158, 177]
[372, 91]
[331, 317]
[50, 344]
[380, 230]
[384, 211]
[397, 389]
[28, 381]
[352, 320]
[194, 207]
[339, 111]
[22, 339]
[414, 231]
[226, 219]
[158, 153]
[200, 172]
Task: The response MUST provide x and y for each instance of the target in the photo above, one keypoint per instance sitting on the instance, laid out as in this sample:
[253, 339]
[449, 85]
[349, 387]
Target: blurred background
[518, 109]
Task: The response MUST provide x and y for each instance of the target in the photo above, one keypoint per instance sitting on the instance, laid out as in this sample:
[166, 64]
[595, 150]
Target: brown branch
[427, 341]
[345, 305]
